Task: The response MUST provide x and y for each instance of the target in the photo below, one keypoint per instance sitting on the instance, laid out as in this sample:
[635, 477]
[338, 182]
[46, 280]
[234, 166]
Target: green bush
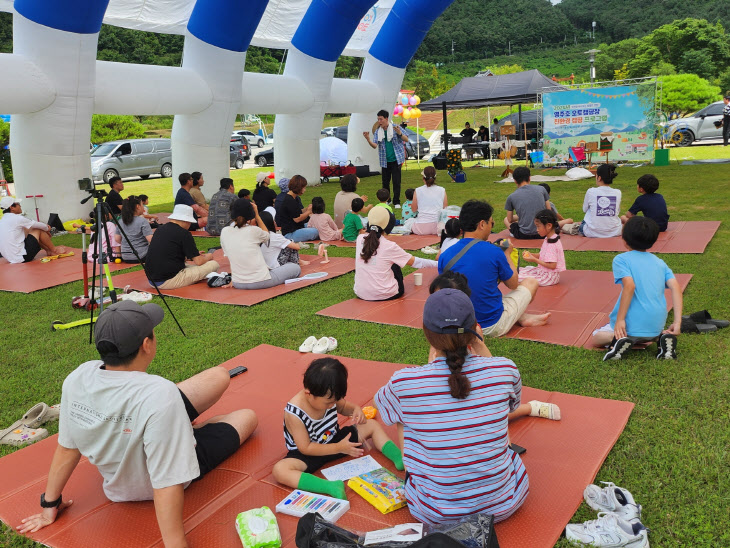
[110, 127]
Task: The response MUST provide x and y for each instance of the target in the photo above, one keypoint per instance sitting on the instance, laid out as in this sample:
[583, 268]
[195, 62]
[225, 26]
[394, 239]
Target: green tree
[348, 67]
[648, 57]
[425, 80]
[614, 56]
[4, 154]
[687, 93]
[663, 69]
[675, 39]
[505, 69]
[110, 127]
[697, 62]
[724, 82]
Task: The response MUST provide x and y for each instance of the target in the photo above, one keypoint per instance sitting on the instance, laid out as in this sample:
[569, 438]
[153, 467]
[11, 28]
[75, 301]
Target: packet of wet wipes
[257, 528]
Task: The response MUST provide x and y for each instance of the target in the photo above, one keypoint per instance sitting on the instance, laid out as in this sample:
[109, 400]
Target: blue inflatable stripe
[79, 16]
[226, 24]
[327, 27]
[404, 30]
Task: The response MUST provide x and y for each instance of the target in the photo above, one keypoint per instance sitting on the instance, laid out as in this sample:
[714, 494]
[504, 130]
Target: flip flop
[39, 414]
[18, 435]
[690, 326]
[704, 317]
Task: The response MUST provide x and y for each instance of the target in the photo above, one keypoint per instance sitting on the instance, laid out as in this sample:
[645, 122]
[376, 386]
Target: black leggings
[398, 274]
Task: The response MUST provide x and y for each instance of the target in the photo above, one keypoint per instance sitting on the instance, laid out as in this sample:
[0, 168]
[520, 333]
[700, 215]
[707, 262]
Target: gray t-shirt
[526, 201]
[132, 426]
[136, 231]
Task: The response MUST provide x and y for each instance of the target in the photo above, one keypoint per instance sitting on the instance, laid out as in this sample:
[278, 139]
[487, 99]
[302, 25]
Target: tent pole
[519, 121]
[418, 145]
[489, 133]
[446, 130]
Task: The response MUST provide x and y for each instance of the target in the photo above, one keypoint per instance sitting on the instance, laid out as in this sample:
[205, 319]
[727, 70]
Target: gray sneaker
[609, 531]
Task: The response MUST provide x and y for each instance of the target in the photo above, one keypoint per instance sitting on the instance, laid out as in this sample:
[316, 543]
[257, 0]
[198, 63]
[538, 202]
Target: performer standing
[388, 139]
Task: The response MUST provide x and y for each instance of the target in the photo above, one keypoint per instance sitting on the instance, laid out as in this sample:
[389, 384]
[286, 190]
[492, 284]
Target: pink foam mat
[241, 297]
[562, 457]
[579, 304]
[680, 237]
[409, 242]
[35, 275]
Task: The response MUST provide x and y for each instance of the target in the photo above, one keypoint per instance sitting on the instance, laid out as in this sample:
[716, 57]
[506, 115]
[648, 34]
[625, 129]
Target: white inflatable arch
[52, 82]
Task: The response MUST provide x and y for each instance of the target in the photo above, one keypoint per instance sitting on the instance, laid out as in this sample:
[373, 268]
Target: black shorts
[514, 229]
[315, 463]
[214, 442]
[32, 248]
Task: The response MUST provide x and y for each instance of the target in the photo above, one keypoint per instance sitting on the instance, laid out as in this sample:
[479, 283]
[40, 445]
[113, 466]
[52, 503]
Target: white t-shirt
[12, 235]
[430, 203]
[602, 205]
[132, 426]
[374, 280]
[243, 248]
[448, 242]
[277, 242]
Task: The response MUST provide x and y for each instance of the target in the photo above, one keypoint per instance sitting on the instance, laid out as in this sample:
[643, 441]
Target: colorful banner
[613, 121]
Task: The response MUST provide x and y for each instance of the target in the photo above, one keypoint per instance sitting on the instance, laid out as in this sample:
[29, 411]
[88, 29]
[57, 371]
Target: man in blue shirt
[184, 197]
[388, 139]
[485, 265]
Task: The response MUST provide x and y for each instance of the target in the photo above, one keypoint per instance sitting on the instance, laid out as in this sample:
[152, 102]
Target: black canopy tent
[482, 91]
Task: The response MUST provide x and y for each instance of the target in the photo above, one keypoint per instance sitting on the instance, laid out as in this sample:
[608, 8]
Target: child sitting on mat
[551, 261]
[145, 200]
[279, 251]
[383, 195]
[649, 203]
[561, 220]
[449, 235]
[313, 436]
[323, 222]
[641, 311]
[352, 225]
[406, 211]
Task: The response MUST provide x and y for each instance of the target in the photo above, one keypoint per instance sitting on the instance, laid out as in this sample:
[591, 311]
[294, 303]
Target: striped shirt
[456, 451]
[320, 431]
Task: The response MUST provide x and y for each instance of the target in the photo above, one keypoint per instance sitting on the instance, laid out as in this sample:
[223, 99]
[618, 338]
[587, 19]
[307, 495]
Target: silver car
[700, 125]
[131, 158]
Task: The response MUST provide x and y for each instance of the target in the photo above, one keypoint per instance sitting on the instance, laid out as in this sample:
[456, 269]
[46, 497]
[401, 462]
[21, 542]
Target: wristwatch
[52, 504]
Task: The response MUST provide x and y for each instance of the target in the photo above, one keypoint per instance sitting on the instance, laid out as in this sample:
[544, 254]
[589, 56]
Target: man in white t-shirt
[21, 239]
[136, 427]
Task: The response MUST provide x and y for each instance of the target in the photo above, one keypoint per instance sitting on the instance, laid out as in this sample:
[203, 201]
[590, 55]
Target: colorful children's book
[301, 502]
[380, 488]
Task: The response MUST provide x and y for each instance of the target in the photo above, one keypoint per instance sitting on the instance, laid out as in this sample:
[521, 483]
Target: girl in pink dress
[551, 261]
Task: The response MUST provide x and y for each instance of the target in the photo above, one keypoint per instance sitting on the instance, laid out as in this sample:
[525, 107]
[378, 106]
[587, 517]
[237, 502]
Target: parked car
[244, 148]
[340, 132]
[131, 158]
[251, 137]
[329, 131]
[236, 156]
[265, 158]
[270, 139]
[700, 125]
[417, 145]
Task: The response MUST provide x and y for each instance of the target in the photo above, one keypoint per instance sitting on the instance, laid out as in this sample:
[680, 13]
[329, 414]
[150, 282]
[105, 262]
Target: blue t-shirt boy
[647, 313]
[484, 265]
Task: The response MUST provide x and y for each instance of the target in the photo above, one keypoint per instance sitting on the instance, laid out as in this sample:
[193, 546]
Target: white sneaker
[612, 500]
[609, 531]
[308, 344]
[304, 245]
[397, 206]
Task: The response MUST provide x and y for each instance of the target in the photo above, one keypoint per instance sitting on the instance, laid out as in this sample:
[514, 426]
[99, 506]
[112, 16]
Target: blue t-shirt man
[484, 266]
[184, 197]
[652, 206]
[648, 309]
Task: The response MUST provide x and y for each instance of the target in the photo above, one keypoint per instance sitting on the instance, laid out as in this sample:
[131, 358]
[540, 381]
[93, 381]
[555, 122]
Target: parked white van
[131, 158]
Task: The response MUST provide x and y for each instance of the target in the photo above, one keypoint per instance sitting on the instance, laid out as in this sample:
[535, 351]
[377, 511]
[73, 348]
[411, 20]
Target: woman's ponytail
[371, 243]
[458, 382]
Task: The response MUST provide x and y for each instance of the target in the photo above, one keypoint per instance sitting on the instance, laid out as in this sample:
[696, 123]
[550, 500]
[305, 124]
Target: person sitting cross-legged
[21, 239]
[136, 427]
[170, 246]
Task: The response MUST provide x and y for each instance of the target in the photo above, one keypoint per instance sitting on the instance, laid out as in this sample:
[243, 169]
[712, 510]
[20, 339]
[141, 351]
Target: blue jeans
[302, 235]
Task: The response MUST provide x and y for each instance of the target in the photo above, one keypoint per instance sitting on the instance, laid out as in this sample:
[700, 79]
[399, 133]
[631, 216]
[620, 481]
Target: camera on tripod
[87, 185]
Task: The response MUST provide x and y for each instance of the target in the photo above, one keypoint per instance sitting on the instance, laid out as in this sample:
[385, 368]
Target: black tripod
[100, 230]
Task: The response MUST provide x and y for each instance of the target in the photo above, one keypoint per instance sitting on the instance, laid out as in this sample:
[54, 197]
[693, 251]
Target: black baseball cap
[449, 311]
[126, 325]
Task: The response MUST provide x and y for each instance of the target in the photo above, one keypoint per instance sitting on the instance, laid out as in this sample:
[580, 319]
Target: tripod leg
[112, 292]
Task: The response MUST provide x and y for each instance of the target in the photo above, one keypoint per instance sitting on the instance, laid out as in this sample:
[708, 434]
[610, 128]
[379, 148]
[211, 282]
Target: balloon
[418, 99]
[400, 109]
[395, 112]
[412, 101]
[406, 114]
[404, 100]
[416, 113]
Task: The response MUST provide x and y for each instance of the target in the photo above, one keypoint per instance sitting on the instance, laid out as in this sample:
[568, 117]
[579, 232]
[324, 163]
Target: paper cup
[417, 278]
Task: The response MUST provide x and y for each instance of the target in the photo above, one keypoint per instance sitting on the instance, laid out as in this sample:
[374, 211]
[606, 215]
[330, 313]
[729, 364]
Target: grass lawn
[673, 455]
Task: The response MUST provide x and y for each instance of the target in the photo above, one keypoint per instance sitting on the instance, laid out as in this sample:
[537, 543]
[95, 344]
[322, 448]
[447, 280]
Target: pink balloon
[395, 112]
[399, 108]
[412, 101]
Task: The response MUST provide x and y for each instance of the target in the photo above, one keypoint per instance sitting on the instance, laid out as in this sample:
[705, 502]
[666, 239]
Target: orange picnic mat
[35, 275]
[409, 242]
[562, 458]
[579, 304]
[337, 266]
[680, 237]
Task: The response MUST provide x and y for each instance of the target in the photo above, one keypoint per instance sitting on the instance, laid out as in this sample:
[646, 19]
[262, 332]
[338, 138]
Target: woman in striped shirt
[452, 415]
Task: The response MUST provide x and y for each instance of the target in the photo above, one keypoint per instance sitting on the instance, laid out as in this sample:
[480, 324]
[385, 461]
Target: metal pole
[446, 129]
